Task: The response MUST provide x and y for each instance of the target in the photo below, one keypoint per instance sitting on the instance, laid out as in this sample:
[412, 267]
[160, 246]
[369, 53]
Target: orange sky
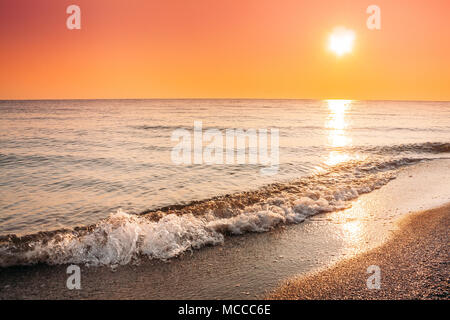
[223, 49]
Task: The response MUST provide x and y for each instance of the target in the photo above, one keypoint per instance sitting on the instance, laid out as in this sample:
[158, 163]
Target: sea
[95, 181]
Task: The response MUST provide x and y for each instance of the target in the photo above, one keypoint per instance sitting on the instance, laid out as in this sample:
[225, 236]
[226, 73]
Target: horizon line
[317, 99]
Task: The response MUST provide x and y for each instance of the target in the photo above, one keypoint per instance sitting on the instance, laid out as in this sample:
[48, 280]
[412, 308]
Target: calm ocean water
[74, 162]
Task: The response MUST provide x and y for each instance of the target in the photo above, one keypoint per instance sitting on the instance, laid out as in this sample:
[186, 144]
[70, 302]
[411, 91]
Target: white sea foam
[124, 238]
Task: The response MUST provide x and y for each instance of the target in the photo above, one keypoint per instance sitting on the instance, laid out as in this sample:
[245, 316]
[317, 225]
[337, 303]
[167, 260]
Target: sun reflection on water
[353, 232]
[337, 133]
[353, 228]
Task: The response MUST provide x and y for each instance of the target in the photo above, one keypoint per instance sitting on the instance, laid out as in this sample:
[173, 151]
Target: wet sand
[414, 264]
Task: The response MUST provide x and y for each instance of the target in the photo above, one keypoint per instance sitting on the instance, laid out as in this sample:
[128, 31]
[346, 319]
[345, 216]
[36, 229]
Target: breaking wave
[165, 233]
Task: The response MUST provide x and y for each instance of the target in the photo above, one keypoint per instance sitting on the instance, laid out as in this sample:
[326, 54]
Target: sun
[341, 41]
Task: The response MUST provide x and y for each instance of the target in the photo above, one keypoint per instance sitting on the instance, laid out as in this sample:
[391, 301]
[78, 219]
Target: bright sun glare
[341, 41]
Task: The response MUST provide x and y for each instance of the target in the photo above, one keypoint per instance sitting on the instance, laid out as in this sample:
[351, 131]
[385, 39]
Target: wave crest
[124, 238]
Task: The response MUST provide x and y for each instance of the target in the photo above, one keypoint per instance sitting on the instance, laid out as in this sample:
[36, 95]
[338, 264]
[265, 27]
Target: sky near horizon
[223, 49]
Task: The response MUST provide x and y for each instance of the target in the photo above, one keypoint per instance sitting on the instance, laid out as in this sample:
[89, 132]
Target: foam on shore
[123, 238]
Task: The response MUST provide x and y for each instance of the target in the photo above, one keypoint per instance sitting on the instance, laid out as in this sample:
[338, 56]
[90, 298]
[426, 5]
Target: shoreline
[413, 263]
[249, 266]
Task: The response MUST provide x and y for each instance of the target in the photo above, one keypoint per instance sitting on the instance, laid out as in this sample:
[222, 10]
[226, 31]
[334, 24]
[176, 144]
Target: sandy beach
[413, 263]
